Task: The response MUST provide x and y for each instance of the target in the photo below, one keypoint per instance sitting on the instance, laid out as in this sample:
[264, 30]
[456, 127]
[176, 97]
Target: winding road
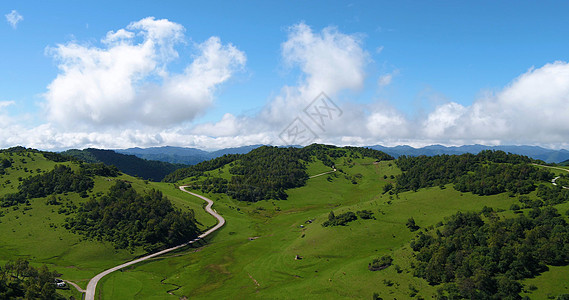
[554, 179]
[323, 173]
[92, 286]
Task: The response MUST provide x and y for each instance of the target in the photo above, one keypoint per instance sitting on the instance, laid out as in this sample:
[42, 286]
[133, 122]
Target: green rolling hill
[319, 222]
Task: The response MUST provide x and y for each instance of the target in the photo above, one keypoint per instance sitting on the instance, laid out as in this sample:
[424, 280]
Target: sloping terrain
[279, 249]
[39, 225]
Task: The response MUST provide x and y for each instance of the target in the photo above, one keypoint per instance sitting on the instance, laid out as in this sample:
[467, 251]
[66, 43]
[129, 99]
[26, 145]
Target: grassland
[35, 231]
[253, 256]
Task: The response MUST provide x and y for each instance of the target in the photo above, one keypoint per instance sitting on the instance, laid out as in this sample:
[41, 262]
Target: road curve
[92, 286]
[323, 173]
[554, 179]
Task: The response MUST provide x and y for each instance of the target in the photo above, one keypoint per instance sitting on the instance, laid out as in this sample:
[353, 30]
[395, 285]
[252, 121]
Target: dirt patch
[254, 280]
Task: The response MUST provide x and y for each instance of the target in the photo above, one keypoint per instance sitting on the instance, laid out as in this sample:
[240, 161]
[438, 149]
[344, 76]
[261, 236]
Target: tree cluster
[19, 280]
[347, 217]
[265, 173]
[552, 194]
[486, 260]
[380, 263]
[339, 220]
[61, 179]
[199, 169]
[487, 173]
[4, 164]
[129, 219]
[496, 178]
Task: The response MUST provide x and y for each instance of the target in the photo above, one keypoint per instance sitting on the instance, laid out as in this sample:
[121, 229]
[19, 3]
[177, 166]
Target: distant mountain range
[191, 156]
[535, 152]
[129, 164]
[180, 155]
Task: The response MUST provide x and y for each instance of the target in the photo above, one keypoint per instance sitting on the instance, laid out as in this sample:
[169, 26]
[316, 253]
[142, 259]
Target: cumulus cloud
[122, 94]
[533, 108]
[329, 60]
[126, 81]
[13, 18]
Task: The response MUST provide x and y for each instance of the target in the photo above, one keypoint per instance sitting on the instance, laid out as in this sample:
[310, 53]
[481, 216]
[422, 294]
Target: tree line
[61, 179]
[487, 173]
[199, 169]
[129, 219]
[475, 259]
[20, 280]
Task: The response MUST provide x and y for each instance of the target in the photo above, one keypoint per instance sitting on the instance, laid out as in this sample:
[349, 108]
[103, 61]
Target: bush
[411, 224]
[380, 263]
[365, 214]
[341, 219]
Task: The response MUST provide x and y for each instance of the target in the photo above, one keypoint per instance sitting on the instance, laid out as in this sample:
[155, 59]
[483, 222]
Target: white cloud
[6, 104]
[122, 94]
[13, 18]
[5, 119]
[384, 80]
[127, 81]
[330, 62]
[533, 108]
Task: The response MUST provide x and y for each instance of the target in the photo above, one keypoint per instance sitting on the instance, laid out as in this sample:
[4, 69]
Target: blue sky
[116, 74]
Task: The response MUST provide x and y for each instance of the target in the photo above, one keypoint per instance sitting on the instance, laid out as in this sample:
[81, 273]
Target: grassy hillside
[278, 249]
[35, 230]
[253, 256]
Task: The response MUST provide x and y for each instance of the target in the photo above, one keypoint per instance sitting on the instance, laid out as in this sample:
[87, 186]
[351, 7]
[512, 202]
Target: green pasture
[253, 256]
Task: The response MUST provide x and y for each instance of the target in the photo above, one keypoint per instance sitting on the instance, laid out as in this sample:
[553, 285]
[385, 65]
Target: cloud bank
[534, 107]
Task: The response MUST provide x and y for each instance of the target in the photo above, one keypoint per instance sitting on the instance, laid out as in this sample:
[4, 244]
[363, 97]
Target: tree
[387, 187]
[411, 224]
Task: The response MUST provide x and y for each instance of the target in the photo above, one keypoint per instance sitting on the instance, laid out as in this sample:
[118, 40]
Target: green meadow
[35, 231]
[253, 256]
[275, 249]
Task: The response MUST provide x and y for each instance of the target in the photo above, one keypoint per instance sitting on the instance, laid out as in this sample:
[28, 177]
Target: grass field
[253, 256]
[35, 231]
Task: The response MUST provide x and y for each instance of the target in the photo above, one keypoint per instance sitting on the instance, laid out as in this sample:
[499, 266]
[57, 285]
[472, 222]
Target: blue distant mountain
[181, 155]
[535, 152]
[191, 156]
